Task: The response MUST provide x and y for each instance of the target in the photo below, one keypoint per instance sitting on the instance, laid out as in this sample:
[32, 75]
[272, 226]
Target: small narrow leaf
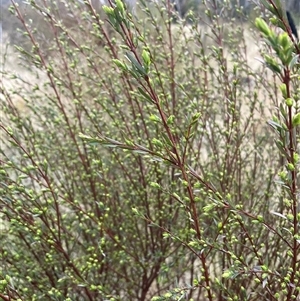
[296, 119]
[263, 27]
[120, 6]
[278, 214]
[170, 119]
[119, 64]
[272, 64]
[294, 61]
[282, 110]
[146, 57]
[276, 126]
[108, 10]
[154, 118]
[136, 64]
[145, 95]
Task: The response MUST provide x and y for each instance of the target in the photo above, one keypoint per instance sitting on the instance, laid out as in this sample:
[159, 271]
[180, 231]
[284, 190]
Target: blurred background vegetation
[88, 222]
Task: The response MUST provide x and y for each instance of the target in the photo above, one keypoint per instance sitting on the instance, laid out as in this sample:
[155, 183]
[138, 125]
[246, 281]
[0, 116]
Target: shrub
[139, 166]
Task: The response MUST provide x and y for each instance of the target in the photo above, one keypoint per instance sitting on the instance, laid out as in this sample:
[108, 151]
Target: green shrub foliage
[136, 159]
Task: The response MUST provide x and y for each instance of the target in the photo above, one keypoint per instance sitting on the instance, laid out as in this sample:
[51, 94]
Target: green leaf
[283, 90]
[167, 140]
[157, 143]
[145, 95]
[170, 119]
[281, 147]
[272, 64]
[282, 110]
[136, 64]
[265, 3]
[155, 118]
[263, 27]
[278, 214]
[155, 185]
[294, 61]
[108, 10]
[119, 64]
[89, 138]
[279, 8]
[284, 40]
[276, 126]
[227, 274]
[296, 120]
[146, 57]
[286, 57]
[120, 6]
[195, 118]
[140, 152]
[135, 211]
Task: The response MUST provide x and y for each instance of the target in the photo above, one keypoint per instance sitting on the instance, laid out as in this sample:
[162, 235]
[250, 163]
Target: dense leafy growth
[136, 159]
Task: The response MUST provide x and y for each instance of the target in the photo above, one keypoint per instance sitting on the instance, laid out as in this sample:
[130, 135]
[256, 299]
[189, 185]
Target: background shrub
[139, 165]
